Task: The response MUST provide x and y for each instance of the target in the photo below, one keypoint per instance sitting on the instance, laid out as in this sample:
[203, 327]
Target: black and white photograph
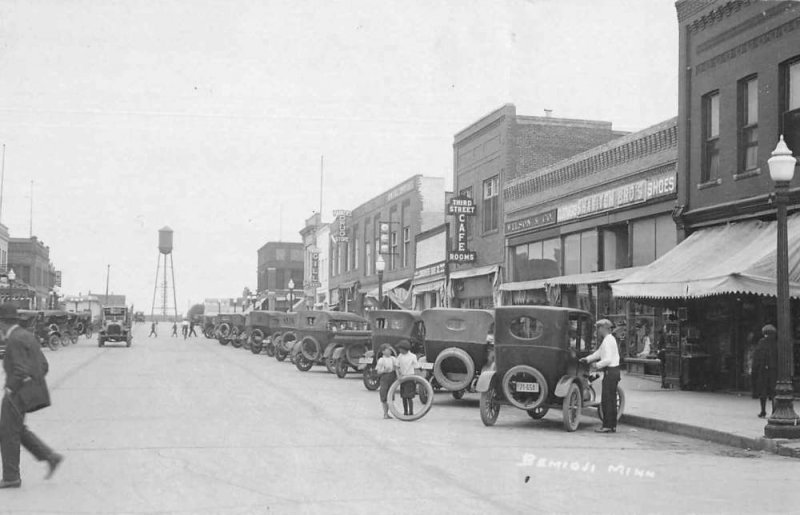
[383, 256]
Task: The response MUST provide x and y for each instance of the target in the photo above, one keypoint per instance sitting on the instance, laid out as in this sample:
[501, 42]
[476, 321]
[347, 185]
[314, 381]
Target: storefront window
[666, 235]
[615, 247]
[572, 254]
[538, 260]
[588, 252]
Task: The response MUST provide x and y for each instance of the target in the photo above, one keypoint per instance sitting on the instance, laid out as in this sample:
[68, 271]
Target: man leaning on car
[607, 358]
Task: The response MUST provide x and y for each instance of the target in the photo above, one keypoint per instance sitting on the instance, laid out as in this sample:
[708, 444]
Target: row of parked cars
[55, 328]
[526, 357]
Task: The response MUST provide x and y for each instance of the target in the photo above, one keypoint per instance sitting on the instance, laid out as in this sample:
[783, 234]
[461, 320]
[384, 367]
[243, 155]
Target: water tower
[164, 274]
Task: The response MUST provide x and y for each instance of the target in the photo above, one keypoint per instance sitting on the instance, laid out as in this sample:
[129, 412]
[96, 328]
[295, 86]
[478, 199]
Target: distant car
[138, 316]
[229, 327]
[116, 326]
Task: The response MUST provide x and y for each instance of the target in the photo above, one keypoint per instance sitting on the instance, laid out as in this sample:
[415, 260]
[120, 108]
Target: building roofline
[484, 120]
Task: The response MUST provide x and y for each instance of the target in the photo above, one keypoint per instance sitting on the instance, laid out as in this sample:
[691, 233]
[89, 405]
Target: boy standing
[407, 365]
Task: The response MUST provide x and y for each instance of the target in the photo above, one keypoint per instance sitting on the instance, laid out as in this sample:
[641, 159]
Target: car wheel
[270, 347]
[620, 404]
[538, 413]
[255, 349]
[330, 364]
[302, 364]
[53, 342]
[371, 378]
[524, 399]
[65, 341]
[489, 406]
[458, 394]
[426, 406]
[280, 353]
[571, 408]
[236, 342]
[311, 349]
[341, 368]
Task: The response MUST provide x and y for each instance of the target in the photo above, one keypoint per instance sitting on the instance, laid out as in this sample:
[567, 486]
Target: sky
[210, 116]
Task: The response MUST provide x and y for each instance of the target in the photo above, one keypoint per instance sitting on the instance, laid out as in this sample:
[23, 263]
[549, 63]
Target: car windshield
[114, 313]
[347, 325]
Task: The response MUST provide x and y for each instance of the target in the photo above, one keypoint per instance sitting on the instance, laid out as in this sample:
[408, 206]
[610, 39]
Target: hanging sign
[315, 270]
[340, 231]
[461, 208]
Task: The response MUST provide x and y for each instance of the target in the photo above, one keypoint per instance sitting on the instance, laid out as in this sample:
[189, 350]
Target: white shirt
[385, 365]
[406, 363]
[607, 355]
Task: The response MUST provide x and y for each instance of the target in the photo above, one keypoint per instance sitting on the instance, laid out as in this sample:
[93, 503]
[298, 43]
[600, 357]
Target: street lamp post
[380, 266]
[784, 422]
[291, 293]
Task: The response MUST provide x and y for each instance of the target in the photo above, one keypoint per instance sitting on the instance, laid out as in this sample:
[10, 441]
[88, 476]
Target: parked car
[83, 324]
[284, 338]
[116, 326]
[458, 345]
[210, 326]
[229, 327]
[265, 327]
[537, 367]
[71, 332]
[138, 317]
[389, 327]
[320, 333]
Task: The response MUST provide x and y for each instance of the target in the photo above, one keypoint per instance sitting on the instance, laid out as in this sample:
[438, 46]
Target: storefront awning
[387, 287]
[735, 258]
[538, 284]
[428, 286]
[475, 272]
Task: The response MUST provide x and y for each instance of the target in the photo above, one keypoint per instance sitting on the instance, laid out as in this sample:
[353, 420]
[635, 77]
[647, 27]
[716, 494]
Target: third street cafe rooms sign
[461, 208]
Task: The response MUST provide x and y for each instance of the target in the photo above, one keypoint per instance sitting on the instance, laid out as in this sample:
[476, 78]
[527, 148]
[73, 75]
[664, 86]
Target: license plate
[528, 387]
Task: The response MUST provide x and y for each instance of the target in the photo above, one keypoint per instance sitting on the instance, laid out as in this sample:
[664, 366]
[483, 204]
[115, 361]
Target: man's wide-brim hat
[404, 344]
[769, 328]
[604, 322]
[8, 312]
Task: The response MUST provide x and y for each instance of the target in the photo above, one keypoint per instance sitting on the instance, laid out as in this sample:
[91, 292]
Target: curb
[787, 448]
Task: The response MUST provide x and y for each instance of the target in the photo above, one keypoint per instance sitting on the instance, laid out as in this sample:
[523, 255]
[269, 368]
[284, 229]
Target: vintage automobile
[71, 332]
[138, 317]
[457, 347]
[388, 328]
[285, 338]
[116, 326]
[44, 327]
[320, 333]
[536, 367]
[229, 327]
[83, 324]
[264, 328]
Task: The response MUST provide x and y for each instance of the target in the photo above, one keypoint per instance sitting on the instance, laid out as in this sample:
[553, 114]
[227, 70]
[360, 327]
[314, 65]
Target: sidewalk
[726, 418]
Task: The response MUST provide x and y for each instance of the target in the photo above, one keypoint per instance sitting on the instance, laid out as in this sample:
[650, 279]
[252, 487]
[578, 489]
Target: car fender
[337, 353]
[563, 385]
[485, 381]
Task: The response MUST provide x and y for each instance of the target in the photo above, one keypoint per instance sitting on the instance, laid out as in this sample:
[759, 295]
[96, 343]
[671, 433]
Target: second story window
[490, 204]
[748, 124]
[393, 249]
[710, 168]
[790, 103]
[406, 245]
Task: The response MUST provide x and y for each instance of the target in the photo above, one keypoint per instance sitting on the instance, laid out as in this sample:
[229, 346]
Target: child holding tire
[407, 365]
[385, 369]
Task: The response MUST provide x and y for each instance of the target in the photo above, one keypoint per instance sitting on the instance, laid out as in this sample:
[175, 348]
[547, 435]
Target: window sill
[747, 174]
[709, 184]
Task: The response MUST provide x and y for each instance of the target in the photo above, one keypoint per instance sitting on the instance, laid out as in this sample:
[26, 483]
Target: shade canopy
[737, 258]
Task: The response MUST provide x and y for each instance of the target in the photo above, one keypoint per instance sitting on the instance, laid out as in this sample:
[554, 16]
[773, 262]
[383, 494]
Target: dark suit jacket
[25, 365]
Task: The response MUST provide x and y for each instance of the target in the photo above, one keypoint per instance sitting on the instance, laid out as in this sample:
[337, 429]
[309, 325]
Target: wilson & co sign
[532, 222]
[660, 185]
[340, 228]
[461, 208]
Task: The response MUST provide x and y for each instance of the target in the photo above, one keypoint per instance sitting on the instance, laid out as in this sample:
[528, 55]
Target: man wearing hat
[607, 358]
[25, 391]
[765, 367]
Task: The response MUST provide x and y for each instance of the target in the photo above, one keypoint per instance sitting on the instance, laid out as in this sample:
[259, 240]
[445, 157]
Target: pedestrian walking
[386, 370]
[185, 328]
[765, 367]
[407, 365]
[25, 391]
[191, 329]
[607, 358]
[153, 327]
[174, 330]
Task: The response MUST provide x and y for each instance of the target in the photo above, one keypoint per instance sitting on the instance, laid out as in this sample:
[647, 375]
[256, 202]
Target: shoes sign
[461, 208]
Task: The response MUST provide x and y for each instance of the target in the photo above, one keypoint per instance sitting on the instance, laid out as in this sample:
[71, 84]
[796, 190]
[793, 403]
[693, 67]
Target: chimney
[548, 113]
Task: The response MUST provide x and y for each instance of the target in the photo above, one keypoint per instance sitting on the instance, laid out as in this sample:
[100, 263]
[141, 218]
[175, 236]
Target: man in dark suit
[25, 391]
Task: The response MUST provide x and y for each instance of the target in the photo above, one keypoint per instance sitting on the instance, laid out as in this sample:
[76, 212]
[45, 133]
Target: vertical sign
[461, 208]
[340, 234]
[315, 269]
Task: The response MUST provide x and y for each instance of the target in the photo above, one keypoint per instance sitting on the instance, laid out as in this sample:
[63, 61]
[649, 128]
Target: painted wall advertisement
[461, 208]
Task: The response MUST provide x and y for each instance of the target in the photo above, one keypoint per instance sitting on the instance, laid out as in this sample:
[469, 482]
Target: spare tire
[258, 336]
[224, 329]
[524, 400]
[353, 353]
[447, 382]
[311, 348]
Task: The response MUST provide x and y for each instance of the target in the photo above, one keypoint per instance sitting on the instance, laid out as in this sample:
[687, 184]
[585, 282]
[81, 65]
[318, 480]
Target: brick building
[739, 89]
[576, 226]
[495, 149]
[30, 260]
[279, 262]
[408, 209]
